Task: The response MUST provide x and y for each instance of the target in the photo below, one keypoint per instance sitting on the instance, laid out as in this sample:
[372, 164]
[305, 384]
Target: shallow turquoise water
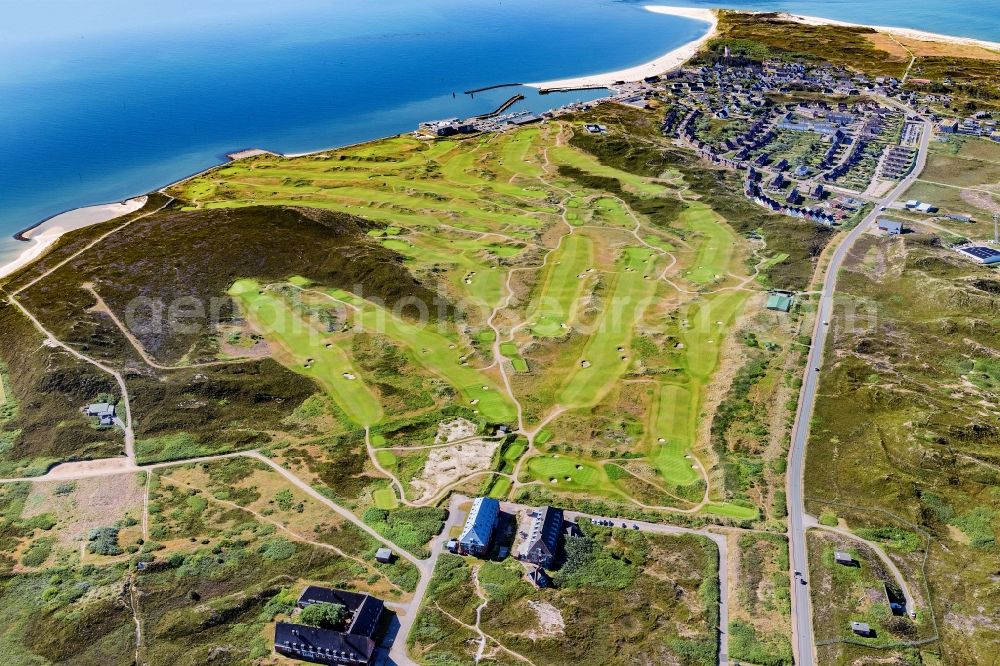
[110, 98]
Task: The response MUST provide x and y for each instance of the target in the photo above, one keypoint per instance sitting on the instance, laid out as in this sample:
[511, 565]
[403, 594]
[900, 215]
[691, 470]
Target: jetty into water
[493, 87]
[500, 109]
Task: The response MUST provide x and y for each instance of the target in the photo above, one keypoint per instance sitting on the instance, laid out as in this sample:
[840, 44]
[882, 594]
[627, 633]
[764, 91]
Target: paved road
[803, 640]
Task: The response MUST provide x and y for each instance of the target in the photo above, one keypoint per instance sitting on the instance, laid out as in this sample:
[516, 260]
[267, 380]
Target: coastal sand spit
[901, 32]
[42, 237]
[665, 62]
[682, 54]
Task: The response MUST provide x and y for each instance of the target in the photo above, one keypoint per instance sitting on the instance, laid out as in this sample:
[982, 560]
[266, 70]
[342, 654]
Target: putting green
[602, 364]
[610, 211]
[385, 498]
[308, 351]
[561, 286]
[569, 474]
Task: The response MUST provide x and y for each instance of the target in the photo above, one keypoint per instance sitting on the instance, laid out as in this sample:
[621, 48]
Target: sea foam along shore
[665, 62]
[44, 235]
[901, 32]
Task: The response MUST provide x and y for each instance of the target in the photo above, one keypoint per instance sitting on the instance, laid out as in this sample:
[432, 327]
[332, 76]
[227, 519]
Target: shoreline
[669, 60]
[43, 235]
[910, 33]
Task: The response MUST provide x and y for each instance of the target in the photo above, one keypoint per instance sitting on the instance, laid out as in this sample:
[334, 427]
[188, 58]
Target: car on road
[803, 581]
[634, 526]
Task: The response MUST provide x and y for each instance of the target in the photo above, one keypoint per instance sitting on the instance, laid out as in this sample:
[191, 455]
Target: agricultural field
[906, 431]
[607, 607]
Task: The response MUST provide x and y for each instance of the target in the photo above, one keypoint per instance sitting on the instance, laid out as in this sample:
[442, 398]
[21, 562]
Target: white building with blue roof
[479, 526]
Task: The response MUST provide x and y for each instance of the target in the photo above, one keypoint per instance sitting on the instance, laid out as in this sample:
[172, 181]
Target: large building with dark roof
[479, 526]
[351, 645]
[543, 537]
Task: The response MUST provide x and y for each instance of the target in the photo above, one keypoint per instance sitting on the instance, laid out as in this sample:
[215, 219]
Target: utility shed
[840, 557]
[779, 301]
[383, 555]
[861, 629]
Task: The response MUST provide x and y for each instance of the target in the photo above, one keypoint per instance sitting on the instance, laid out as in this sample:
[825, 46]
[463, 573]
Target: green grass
[674, 420]
[434, 351]
[632, 292]
[570, 474]
[500, 488]
[385, 498]
[729, 510]
[386, 458]
[715, 243]
[301, 340]
[570, 157]
[561, 286]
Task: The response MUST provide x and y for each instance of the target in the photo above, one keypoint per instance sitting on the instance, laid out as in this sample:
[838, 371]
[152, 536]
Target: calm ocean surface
[105, 99]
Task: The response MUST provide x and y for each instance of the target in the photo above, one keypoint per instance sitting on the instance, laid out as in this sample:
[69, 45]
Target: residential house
[890, 226]
[104, 412]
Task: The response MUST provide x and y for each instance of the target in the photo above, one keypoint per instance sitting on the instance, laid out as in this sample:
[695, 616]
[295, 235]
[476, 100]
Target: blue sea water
[105, 99]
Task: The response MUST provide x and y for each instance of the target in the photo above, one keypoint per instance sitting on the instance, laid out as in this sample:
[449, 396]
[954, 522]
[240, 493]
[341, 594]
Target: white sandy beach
[680, 55]
[664, 63]
[42, 237]
[902, 32]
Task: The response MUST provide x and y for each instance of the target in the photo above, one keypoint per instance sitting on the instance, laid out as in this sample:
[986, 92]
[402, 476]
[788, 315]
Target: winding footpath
[803, 639]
